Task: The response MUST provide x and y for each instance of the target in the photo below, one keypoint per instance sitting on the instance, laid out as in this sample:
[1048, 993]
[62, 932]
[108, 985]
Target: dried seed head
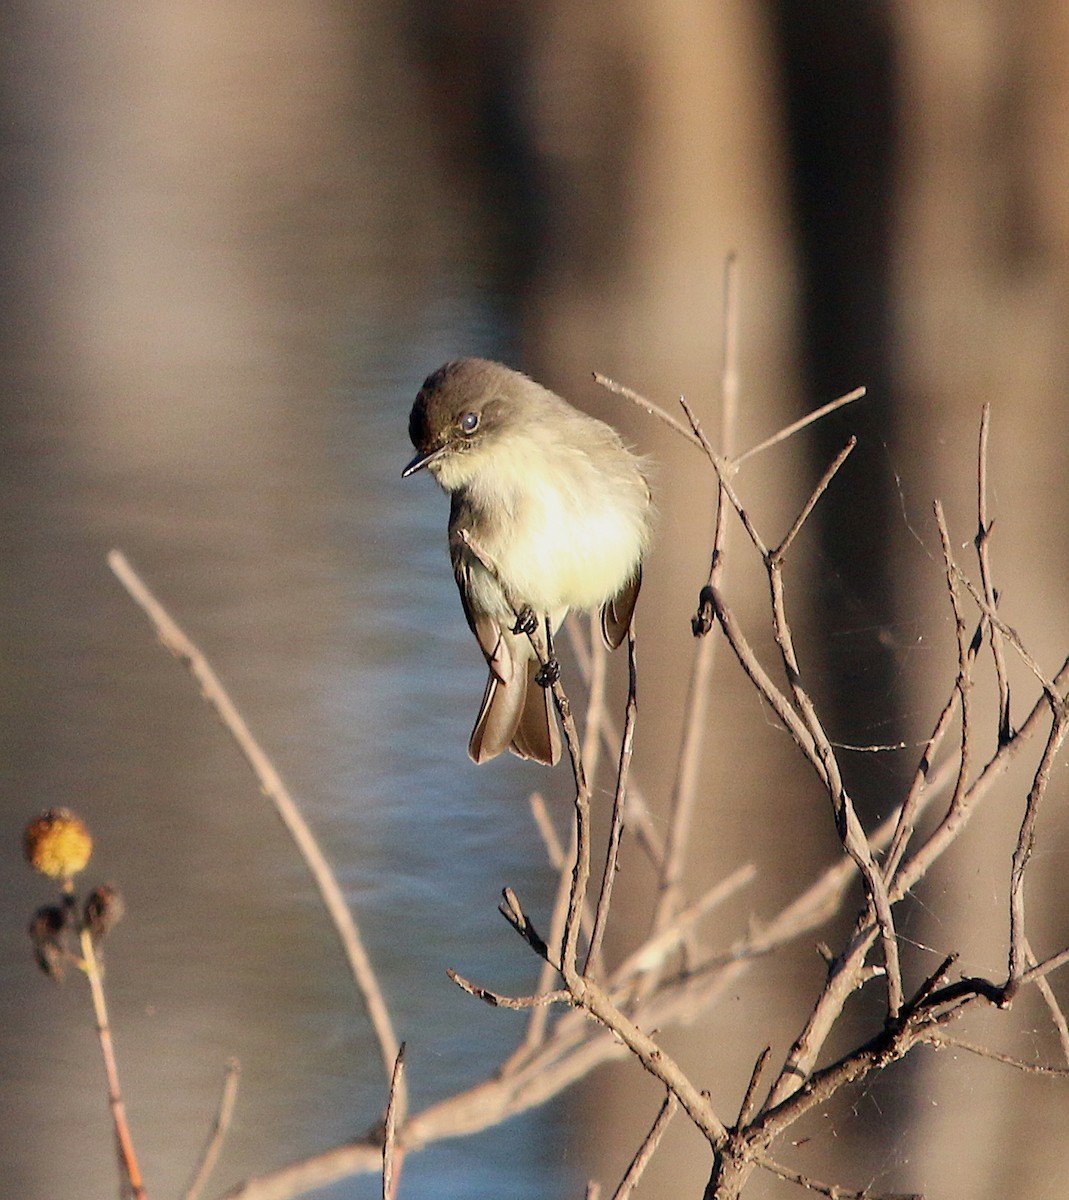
[57, 843]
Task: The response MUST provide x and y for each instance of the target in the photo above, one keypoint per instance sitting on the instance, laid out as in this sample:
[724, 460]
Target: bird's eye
[469, 422]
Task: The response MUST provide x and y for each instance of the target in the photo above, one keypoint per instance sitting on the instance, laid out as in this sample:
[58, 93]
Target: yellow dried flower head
[57, 843]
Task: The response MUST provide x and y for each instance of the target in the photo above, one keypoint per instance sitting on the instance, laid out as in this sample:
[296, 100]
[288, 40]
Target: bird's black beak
[423, 458]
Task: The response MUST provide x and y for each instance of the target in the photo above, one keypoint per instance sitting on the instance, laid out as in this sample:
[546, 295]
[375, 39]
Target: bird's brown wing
[616, 613]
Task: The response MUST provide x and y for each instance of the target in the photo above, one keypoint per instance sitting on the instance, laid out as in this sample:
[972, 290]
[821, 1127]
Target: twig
[616, 830]
[689, 435]
[797, 426]
[639, 819]
[392, 1153]
[497, 1000]
[217, 1134]
[780, 551]
[1051, 1001]
[646, 1151]
[832, 1190]
[128, 1166]
[948, 830]
[982, 542]
[595, 1000]
[914, 798]
[1025, 843]
[851, 832]
[176, 641]
[648, 406]
[945, 1041]
[511, 909]
[1010, 634]
[964, 676]
[1046, 967]
[725, 471]
[598, 657]
[749, 1100]
[537, 1023]
[554, 849]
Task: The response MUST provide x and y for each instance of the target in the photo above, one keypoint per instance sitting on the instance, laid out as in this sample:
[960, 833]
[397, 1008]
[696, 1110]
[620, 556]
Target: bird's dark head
[459, 407]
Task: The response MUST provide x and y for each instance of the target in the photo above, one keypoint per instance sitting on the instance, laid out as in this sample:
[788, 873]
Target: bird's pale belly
[586, 562]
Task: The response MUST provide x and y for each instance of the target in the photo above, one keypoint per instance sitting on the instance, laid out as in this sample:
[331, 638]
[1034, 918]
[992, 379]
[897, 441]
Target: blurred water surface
[229, 265]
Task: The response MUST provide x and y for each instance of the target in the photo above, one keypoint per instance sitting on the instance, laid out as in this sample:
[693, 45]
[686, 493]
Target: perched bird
[558, 506]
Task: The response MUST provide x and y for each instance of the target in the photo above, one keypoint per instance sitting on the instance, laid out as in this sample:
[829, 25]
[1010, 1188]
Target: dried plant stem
[616, 829]
[1018, 957]
[217, 1135]
[640, 820]
[648, 406]
[649, 1146]
[129, 1169]
[788, 431]
[982, 543]
[272, 786]
[950, 827]
[392, 1152]
[1051, 1001]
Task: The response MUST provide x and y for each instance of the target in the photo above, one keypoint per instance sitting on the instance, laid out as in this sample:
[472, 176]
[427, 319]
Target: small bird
[560, 508]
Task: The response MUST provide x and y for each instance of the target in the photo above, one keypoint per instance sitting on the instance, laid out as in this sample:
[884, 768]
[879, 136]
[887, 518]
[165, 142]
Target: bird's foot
[548, 674]
[526, 621]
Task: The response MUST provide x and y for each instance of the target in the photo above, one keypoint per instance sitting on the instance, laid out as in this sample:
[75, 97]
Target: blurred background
[235, 237]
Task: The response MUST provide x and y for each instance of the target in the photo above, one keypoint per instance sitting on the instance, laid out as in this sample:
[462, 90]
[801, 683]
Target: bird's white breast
[562, 531]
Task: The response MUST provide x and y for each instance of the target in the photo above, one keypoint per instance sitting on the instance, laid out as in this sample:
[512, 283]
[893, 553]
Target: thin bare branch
[832, 1190]
[550, 839]
[921, 778]
[616, 830]
[950, 827]
[176, 641]
[392, 1153]
[1046, 967]
[498, 1000]
[1026, 843]
[725, 471]
[749, 1100]
[598, 657]
[648, 406]
[825, 480]
[639, 819]
[946, 1041]
[209, 1156]
[1051, 1001]
[851, 832]
[797, 426]
[982, 542]
[964, 676]
[646, 1151]
[581, 868]
[537, 1023]
[595, 1000]
[129, 1169]
[760, 678]
[511, 909]
[1010, 634]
